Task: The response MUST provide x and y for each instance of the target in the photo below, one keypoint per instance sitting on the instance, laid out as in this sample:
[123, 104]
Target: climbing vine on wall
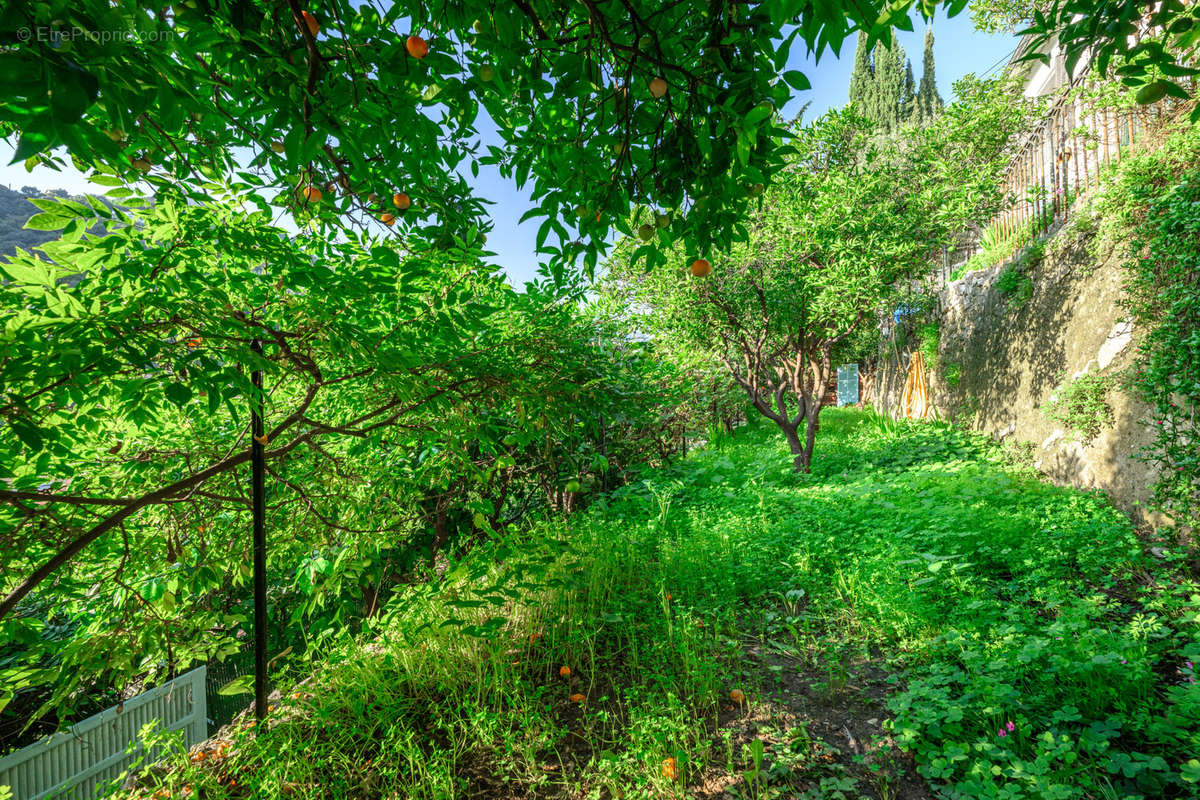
[1155, 206]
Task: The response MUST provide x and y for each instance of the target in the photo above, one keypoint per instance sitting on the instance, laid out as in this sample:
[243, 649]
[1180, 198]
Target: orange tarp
[915, 400]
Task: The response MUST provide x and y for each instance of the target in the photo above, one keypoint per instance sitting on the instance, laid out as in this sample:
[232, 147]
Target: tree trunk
[801, 455]
[810, 439]
[370, 599]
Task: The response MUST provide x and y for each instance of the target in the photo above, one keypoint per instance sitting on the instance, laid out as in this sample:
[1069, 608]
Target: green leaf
[241, 685]
[31, 143]
[178, 393]
[46, 222]
[154, 590]
[1152, 93]
[758, 114]
[797, 80]
[74, 89]
[29, 435]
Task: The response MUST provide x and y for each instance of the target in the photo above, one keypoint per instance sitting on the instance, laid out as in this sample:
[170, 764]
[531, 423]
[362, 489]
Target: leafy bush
[385, 451]
[952, 374]
[929, 334]
[994, 250]
[1015, 283]
[1081, 405]
[1033, 254]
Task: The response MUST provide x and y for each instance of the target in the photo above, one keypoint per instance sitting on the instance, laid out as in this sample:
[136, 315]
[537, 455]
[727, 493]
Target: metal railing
[1061, 160]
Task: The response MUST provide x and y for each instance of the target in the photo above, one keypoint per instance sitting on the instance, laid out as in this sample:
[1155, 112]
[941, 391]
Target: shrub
[1081, 405]
[952, 374]
[929, 334]
[1015, 283]
[1033, 254]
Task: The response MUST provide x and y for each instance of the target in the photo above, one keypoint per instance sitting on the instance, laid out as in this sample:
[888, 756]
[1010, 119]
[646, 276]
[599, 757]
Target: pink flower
[1010, 726]
[1002, 733]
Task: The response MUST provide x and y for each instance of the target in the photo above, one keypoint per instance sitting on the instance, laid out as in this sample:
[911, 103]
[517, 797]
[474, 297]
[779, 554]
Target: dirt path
[821, 734]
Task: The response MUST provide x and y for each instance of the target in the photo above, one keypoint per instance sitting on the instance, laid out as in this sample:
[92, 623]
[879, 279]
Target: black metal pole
[257, 468]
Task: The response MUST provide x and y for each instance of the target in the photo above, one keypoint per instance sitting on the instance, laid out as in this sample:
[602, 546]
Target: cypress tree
[908, 109]
[884, 90]
[863, 76]
[929, 102]
[889, 87]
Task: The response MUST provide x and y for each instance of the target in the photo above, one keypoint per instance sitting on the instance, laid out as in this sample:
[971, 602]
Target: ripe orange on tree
[700, 268]
[401, 200]
[387, 219]
[416, 47]
[312, 194]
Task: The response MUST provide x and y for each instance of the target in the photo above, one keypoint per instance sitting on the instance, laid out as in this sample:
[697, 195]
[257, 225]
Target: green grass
[988, 595]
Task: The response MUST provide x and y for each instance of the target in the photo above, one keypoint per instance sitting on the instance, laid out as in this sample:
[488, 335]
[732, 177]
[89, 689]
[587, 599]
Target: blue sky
[958, 50]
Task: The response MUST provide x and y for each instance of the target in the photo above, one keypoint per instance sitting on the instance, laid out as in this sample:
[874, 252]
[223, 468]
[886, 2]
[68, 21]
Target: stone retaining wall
[1013, 354]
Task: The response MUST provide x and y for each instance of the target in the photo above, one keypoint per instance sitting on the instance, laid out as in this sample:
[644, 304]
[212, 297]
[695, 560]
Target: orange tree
[415, 403]
[847, 222]
[349, 112]
[344, 111]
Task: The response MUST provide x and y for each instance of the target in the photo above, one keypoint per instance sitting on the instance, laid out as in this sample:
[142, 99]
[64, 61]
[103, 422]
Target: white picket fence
[78, 763]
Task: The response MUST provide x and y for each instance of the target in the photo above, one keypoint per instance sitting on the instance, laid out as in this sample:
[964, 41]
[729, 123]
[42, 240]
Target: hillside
[15, 211]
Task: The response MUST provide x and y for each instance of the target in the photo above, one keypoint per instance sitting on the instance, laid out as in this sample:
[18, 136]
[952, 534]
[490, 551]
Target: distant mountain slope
[15, 211]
